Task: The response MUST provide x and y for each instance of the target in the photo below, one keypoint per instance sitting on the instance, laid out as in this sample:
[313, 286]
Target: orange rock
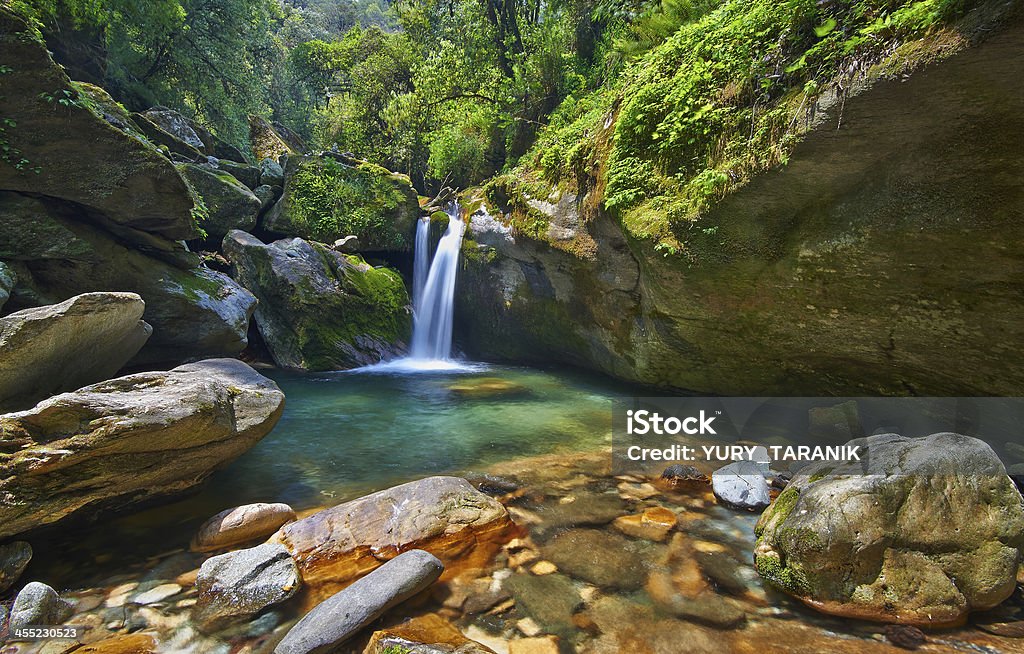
[445, 516]
[654, 524]
[429, 629]
[240, 525]
[131, 644]
[541, 645]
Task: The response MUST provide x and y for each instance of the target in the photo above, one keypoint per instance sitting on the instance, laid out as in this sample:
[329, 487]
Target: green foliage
[330, 199]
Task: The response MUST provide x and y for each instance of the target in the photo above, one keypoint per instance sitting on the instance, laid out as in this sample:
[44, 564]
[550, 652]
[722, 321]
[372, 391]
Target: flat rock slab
[341, 616]
[444, 515]
[65, 346]
[130, 439]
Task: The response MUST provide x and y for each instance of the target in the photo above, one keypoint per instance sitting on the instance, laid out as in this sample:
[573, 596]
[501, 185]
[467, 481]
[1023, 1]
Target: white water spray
[421, 266]
[435, 304]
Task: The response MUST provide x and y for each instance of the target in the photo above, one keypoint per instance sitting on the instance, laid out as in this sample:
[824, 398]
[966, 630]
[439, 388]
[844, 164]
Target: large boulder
[229, 203]
[329, 197]
[64, 346]
[65, 148]
[266, 142]
[339, 617]
[922, 531]
[195, 312]
[318, 309]
[812, 277]
[176, 125]
[444, 515]
[240, 584]
[241, 524]
[7, 280]
[160, 137]
[129, 439]
[37, 604]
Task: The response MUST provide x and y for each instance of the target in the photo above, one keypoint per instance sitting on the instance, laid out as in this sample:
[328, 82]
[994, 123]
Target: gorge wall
[883, 258]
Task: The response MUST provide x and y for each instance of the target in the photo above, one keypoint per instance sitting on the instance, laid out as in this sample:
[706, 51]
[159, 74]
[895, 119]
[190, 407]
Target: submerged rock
[65, 346]
[741, 485]
[339, 617]
[444, 515]
[38, 604]
[327, 199]
[487, 387]
[550, 600]
[243, 583]
[426, 634]
[129, 439]
[654, 523]
[230, 203]
[318, 309]
[599, 557]
[683, 477]
[922, 532]
[14, 557]
[241, 525]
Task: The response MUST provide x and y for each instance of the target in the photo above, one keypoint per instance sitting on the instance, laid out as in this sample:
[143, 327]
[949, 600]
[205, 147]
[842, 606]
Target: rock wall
[884, 258]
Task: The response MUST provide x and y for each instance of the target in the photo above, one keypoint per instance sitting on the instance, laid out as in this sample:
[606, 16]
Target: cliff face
[883, 258]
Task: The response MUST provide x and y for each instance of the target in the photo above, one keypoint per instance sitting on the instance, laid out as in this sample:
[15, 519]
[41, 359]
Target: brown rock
[129, 644]
[905, 636]
[240, 525]
[540, 645]
[445, 516]
[427, 634]
[654, 524]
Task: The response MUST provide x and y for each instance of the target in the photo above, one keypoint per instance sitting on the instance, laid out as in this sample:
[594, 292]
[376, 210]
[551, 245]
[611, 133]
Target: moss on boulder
[327, 198]
[318, 309]
[229, 203]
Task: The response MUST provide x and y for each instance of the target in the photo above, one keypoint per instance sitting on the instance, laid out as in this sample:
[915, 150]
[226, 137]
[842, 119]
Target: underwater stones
[741, 485]
[14, 557]
[243, 583]
[229, 202]
[905, 636]
[487, 387]
[130, 439]
[654, 523]
[318, 309]
[682, 477]
[61, 347]
[922, 532]
[584, 507]
[329, 197]
[536, 645]
[38, 604]
[678, 587]
[339, 617]
[602, 558]
[444, 515]
[550, 600]
[241, 524]
[425, 634]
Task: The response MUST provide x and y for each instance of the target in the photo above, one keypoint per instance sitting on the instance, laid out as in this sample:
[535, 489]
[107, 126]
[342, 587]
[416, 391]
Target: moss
[395, 649]
[327, 199]
[789, 578]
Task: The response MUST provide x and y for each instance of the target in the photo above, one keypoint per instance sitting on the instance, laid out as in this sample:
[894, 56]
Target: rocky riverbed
[593, 563]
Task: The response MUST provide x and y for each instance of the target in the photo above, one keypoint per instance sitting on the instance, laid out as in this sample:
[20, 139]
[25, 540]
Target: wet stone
[905, 636]
[602, 558]
[549, 600]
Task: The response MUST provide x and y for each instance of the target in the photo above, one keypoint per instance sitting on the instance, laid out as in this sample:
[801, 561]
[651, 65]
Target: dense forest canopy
[461, 90]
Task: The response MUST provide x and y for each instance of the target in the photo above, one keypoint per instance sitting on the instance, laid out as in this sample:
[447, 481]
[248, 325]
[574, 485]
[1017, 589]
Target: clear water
[346, 434]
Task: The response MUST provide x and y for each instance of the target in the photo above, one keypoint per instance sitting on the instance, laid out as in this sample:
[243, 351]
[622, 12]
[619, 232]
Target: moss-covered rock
[195, 312]
[318, 309]
[328, 197]
[229, 203]
[57, 143]
[266, 142]
[922, 531]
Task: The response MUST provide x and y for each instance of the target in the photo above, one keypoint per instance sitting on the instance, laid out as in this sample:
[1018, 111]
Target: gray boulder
[13, 559]
[230, 203]
[319, 310]
[922, 531]
[38, 604]
[159, 136]
[271, 173]
[241, 584]
[7, 281]
[176, 125]
[266, 195]
[66, 346]
[243, 172]
[339, 617]
[741, 485]
[129, 440]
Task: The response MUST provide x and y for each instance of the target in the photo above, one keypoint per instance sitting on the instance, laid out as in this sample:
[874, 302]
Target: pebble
[905, 636]
[544, 568]
[528, 627]
[541, 645]
[158, 594]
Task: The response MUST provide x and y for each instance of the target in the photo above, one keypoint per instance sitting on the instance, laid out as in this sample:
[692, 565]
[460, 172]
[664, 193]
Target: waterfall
[434, 301]
[421, 267]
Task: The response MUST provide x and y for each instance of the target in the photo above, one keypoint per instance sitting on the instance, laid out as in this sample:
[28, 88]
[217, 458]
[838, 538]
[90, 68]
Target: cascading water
[435, 305]
[433, 302]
